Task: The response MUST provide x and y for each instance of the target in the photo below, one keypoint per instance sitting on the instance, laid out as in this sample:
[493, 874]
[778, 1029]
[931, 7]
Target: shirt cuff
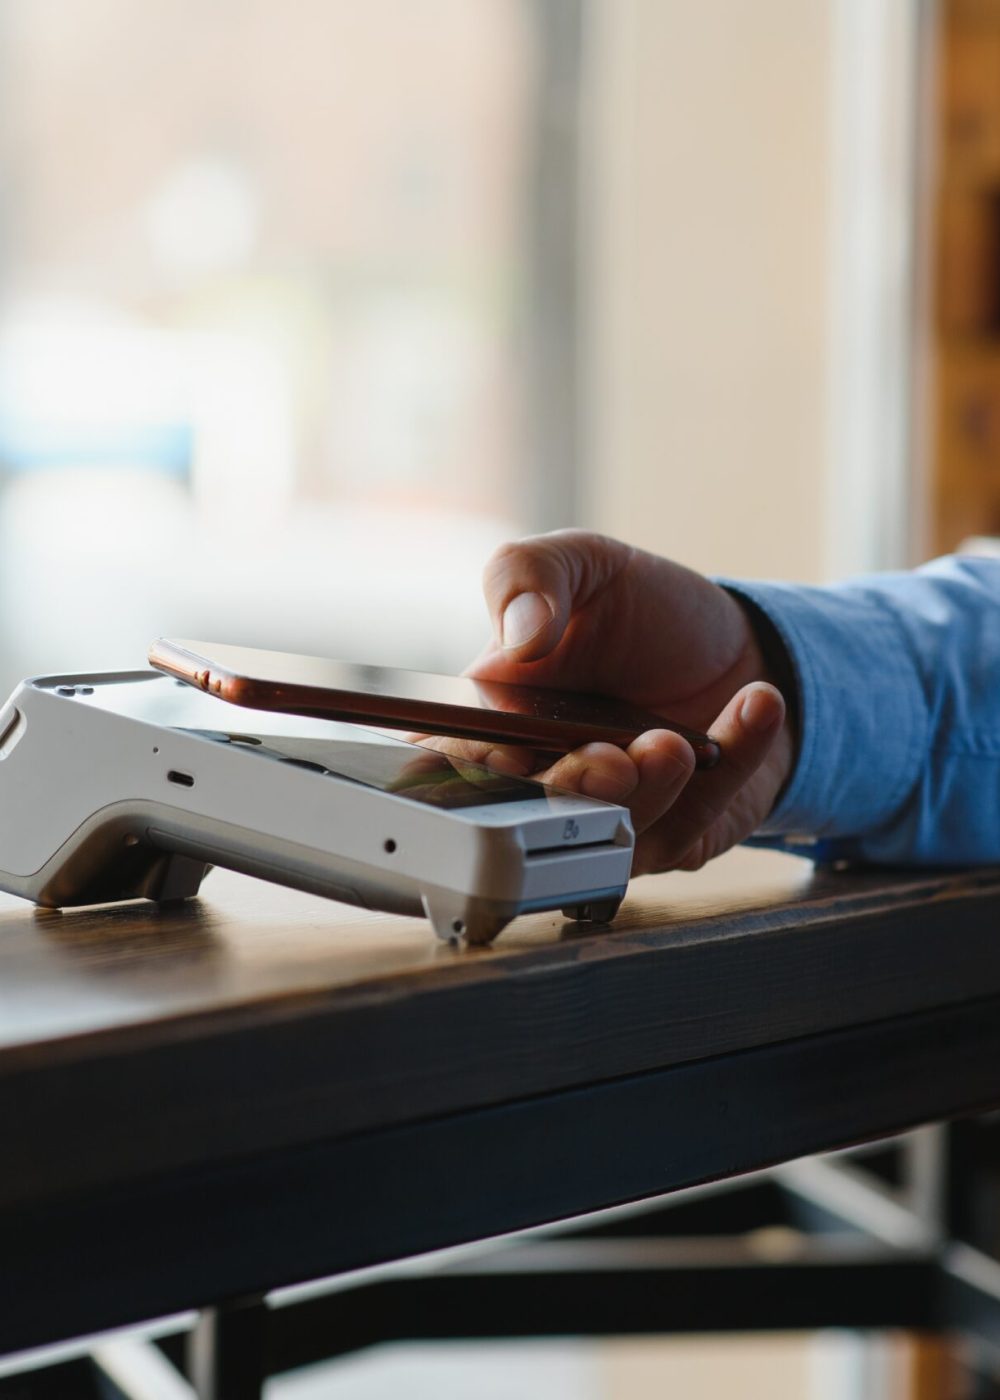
[862, 712]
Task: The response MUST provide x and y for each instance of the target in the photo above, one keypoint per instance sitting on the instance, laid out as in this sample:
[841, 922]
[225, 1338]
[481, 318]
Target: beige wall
[706, 279]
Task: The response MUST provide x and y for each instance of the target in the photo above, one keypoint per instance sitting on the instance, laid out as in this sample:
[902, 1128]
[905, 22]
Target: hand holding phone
[578, 610]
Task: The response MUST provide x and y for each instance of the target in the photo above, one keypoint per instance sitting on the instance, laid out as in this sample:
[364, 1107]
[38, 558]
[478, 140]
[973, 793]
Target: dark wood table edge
[167, 1242]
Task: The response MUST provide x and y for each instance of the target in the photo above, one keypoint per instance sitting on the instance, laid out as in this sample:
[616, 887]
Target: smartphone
[550, 720]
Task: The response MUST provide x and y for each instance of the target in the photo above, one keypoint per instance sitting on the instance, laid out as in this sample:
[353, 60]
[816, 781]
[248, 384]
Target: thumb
[533, 587]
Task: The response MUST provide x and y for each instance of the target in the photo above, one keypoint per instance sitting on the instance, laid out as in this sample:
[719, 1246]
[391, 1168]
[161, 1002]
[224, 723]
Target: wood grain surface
[135, 1039]
[246, 944]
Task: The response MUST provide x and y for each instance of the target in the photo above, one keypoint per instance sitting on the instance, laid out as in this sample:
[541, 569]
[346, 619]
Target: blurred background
[305, 305]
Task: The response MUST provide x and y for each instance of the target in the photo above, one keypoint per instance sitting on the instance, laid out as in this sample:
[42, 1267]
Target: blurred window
[265, 319]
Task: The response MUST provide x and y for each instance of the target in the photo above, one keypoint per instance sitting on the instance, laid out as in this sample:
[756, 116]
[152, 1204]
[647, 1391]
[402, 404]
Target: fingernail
[760, 711]
[524, 617]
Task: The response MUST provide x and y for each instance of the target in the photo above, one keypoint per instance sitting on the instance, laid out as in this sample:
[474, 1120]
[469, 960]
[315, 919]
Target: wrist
[767, 659]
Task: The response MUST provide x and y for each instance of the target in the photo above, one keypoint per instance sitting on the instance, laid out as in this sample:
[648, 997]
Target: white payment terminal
[119, 786]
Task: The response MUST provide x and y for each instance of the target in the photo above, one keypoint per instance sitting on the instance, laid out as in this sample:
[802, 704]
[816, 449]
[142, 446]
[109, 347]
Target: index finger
[532, 587]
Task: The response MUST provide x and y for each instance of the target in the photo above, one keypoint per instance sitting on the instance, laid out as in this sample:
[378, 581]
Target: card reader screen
[421, 775]
[345, 750]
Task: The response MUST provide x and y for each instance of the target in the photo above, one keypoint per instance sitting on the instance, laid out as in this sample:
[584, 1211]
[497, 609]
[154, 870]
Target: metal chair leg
[227, 1351]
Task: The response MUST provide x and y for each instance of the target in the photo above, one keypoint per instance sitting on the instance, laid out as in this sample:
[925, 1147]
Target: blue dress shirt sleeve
[899, 712]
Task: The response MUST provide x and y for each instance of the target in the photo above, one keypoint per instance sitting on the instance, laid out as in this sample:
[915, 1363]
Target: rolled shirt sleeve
[899, 713]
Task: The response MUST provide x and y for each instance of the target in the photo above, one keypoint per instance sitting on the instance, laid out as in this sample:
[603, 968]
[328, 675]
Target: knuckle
[695, 859]
[572, 564]
[501, 563]
[520, 565]
[701, 808]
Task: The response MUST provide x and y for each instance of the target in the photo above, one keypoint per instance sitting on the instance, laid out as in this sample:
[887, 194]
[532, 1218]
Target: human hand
[579, 611]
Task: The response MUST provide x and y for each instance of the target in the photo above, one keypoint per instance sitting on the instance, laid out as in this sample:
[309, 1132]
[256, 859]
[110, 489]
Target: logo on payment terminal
[570, 831]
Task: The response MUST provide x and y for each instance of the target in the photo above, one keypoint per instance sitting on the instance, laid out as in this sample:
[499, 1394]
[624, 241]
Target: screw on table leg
[227, 1350]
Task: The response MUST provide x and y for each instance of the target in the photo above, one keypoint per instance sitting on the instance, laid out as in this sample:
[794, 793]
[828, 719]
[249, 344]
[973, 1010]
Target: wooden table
[260, 1087]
